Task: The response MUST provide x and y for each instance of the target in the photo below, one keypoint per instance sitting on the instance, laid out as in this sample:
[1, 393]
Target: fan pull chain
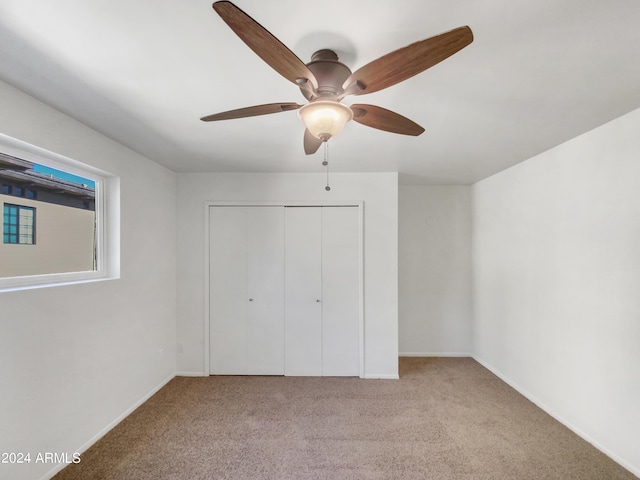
[326, 163]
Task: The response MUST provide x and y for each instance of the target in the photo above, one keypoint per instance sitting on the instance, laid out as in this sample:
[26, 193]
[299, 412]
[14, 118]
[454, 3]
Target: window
[64, 227]
[18, 225]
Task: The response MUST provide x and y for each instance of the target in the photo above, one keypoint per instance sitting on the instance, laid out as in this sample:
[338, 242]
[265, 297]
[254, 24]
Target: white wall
[74, 359]
[379, 191]
[434, 274]
[556, 248]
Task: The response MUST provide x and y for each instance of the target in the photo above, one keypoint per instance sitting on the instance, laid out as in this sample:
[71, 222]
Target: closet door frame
[207, 229]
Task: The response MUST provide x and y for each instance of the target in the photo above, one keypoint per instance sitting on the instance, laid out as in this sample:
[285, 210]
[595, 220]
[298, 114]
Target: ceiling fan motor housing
[330, 74]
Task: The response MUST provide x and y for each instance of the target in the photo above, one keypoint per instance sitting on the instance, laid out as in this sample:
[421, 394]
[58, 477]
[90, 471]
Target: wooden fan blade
[383, 119]
[408, 61]
[252, 111]
[265, 45]
[311, 143]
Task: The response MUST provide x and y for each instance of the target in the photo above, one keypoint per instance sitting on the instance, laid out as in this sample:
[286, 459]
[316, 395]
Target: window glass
[65, 223]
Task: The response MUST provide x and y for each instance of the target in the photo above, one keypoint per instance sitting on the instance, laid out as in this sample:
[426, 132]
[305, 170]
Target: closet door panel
[303, 289]
[340, 295]
[228, 290]
[265, 285]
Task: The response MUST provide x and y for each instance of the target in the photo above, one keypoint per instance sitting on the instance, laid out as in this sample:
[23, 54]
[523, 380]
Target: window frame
[107, 203]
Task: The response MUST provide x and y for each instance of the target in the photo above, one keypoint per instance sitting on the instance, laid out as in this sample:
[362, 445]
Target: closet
[284, 287]
[321, 291]
[246, 290]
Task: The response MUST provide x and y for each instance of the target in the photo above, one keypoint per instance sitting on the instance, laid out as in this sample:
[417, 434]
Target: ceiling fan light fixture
[325, 118]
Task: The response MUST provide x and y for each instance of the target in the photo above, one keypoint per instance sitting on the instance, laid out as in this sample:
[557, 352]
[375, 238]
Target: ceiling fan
[325, 81]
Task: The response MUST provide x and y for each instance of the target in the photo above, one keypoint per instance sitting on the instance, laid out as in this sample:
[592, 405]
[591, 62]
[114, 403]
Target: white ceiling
[143, 72]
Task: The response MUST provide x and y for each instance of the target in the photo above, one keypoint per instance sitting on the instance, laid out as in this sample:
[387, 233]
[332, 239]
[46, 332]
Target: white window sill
[11, 284]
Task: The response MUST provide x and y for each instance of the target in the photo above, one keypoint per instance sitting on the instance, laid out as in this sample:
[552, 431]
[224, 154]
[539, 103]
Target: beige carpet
[444, 419]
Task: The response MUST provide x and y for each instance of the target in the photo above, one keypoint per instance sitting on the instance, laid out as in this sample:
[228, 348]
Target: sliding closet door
[265, 289]
[228, 290]
[303, 291]
[246, 282]
[340, 291]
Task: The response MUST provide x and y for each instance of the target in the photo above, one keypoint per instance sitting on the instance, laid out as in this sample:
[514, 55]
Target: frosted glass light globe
[325, 118]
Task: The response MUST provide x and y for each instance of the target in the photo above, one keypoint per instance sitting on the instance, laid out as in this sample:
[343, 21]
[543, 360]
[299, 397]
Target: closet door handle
[318, 300]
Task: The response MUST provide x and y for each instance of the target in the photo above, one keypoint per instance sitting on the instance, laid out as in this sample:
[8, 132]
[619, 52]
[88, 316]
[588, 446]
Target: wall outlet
[180, 348]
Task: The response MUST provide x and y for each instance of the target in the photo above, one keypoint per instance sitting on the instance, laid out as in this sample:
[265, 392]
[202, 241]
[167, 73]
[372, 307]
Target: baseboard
[633, 469]
[434, 354]
[190, 374]
[109, 427]
[381, 376]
